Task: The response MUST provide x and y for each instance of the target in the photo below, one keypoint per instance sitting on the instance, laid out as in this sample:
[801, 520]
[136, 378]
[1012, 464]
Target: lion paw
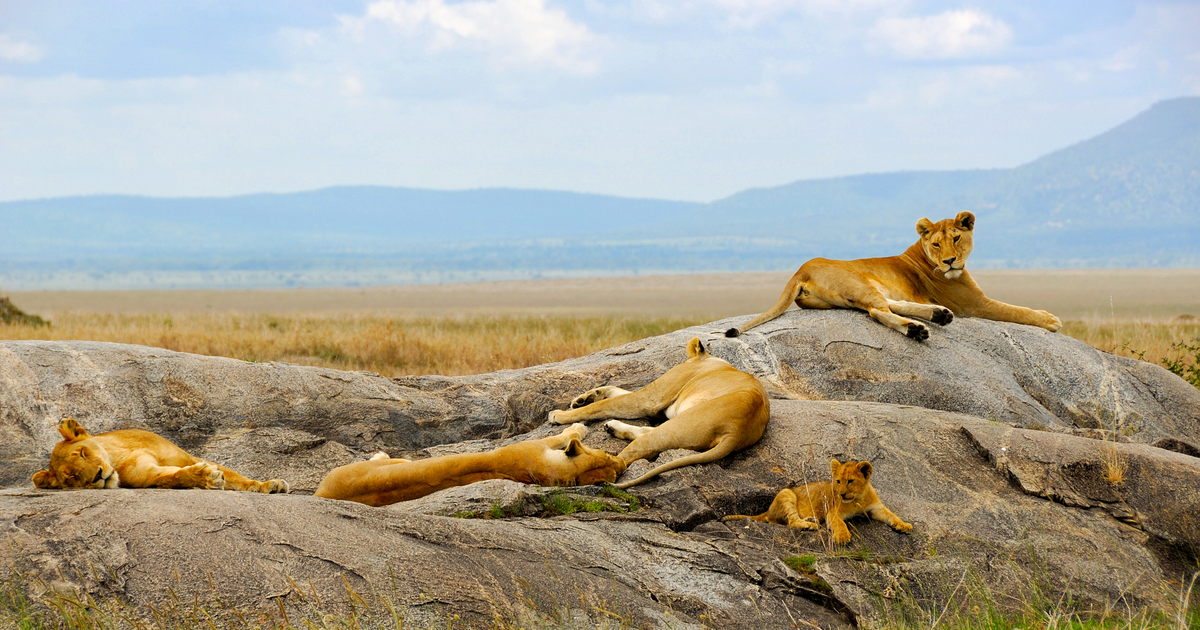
[274, 486]
[556, 417]
[841, 537]
[588, 398]
[206, 475]
[1053, 324]
[918, 331]
[942, 316]
[620, 430]
[902, 527]
[803, 523]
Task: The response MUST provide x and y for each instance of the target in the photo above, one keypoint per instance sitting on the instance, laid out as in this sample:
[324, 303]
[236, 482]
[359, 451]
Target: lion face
[77, 462]
[947, 243]
[850, 480]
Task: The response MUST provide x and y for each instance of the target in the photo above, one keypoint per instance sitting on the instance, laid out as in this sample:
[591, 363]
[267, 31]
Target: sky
[688, 99]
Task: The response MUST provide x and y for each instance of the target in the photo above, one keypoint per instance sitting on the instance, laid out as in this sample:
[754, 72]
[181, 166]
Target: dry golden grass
[391, 346]
[456, 345]
[1147, 340]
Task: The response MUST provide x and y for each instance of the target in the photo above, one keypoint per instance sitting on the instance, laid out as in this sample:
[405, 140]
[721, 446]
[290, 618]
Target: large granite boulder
[1031, 466]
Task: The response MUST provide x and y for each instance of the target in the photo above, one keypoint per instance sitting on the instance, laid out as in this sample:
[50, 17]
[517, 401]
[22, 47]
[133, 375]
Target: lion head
[851, 480]
[947, 243]
[595, 464]
[77, 462]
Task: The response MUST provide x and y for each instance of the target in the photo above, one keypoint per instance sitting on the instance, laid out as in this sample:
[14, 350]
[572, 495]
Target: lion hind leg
[643, 403]
[903, 325]
[785, 510]
[932, 312]
[598, 394]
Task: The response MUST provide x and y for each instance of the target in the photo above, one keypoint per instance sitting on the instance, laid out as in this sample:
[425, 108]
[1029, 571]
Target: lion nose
[950, 260]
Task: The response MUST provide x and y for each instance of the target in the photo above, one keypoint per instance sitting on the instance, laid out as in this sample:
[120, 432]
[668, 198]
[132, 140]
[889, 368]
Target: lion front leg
[1001, 312]
[236, 481]
[880, 513]
[146, 473]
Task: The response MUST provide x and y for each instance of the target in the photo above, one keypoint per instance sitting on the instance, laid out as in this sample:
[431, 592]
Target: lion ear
[695, 348]
[835, 467]
[45, 479]
[924, 227]
[865, 469]
[575, 448]
[965, 221]
[71, 430]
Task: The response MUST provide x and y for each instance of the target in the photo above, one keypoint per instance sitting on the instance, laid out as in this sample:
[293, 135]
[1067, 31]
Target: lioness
[560, 460]
[849, 494]
[928, 281]
[132, 458]
[711, 406]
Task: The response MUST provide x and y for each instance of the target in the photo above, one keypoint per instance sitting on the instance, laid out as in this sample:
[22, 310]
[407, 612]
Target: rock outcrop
[1029, 464]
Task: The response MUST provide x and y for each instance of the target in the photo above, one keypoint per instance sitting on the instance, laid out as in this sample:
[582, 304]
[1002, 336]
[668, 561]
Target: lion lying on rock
[132, 458]
[710, 405]
[832, 502]
[928, 281]
[560, 460]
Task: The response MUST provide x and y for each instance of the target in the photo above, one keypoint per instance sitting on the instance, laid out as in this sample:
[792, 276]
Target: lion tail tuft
[732, 332]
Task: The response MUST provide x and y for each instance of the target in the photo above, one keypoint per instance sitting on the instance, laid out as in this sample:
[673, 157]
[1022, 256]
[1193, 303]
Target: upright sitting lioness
[928, 281]
[132, 458]
[560, 460]
[711, 406]
[850, 494]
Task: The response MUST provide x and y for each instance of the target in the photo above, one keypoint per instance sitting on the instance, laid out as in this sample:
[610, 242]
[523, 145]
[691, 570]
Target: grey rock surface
[997, 441]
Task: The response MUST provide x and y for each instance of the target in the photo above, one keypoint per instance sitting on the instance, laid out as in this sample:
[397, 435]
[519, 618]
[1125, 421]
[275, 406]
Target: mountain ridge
[1127, 197]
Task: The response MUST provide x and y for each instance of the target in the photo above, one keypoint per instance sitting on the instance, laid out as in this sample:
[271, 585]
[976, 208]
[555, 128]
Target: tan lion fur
[850, 494]
[710, 405]
[560, 460]
[132, 458]
[927, 281]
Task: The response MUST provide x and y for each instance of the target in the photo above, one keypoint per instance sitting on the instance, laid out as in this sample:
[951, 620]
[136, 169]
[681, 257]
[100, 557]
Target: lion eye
[956, 238]
[937, 246]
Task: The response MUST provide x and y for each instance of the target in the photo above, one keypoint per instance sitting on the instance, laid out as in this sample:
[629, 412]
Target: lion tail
[734, 517]
[785, 300]
[723, 448]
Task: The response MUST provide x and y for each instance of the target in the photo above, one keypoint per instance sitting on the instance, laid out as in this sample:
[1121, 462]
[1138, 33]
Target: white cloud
[960, 33]
[750, 13]
[512, 31]
[12, 50]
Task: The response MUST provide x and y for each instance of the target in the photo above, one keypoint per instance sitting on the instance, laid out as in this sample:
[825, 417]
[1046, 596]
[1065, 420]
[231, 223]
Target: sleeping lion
[850, 494]
[928, 281]
[132, 458]
[710, 405]
[560, 460]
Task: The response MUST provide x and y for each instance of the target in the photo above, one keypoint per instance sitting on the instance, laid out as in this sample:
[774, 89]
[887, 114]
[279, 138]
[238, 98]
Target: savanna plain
[468, 328]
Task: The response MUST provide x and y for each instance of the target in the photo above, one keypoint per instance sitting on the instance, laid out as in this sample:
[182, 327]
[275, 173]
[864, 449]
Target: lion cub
[849, 494]
[132, 458]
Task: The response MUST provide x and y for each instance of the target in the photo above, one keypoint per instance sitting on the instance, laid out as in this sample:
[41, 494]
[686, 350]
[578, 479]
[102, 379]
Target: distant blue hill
[1129, 197]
